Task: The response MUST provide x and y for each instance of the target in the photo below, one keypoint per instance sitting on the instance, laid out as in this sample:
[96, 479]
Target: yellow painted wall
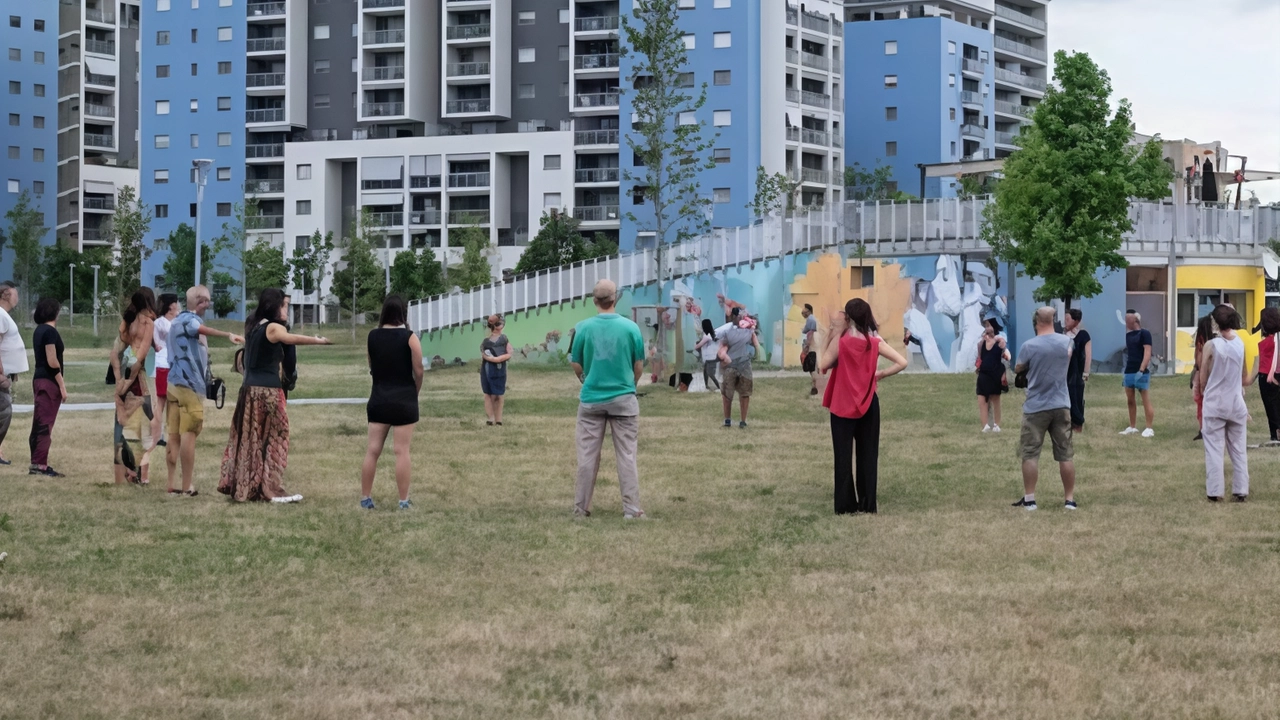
[825, 286]
[1249, 279]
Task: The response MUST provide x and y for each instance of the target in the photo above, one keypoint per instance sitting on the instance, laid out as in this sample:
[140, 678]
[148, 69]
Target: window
[195, 105]
[720, 4]
[224, 174]
[637, 195]
[38, 89]
[162, 5]
[37, 154]
[195, 140]
[525, 18]
[550, 162]
[15, 87]
[37, 122]
[684, 80]
[15, 21]
[15, 187]
[224, 3]
[162, 107]
[162, 71]
[564, 89]
[953, 114]
[722, 118]
[722, 77]
[720, 155]
[951, 80]
[224, 68]
[320, 66]
[524, 90]
[891, 114]
[162, 211]
[354, 65]
[687, 118]
[15, 152]
[890, 47]
[564, 16]
[686, 4]
[224, 139]
[160, 177]
[162, 37]
[891, 81]
[320, 32]
[564, 53]
[721, 39]
[195, 69]
[195, 35]
[953, 148]
[224, 209]
[304, 172]
[720, 195]
[550, 200]
[690, 42]
[527, 55]
[224, 104]
[39, 57]
[37, 186]
[951, 47]
[224, 34]
[38, 25]
[320, 101]
[193, 209]
[890, 149]
[303, 208]
[15, 54]
[162, 142]
[863, 277]
[15, 119]
[355, 29]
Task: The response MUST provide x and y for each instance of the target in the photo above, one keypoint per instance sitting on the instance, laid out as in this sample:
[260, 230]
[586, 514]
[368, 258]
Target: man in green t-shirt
[607, 354]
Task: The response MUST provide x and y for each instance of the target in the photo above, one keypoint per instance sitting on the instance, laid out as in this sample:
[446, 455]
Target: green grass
[742, 596]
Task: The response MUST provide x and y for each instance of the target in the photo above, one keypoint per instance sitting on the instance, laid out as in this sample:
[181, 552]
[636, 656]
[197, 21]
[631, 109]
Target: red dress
[853, 381]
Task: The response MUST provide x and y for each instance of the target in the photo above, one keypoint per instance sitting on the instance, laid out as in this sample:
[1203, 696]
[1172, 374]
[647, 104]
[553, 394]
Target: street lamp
[73, 295]
[202, 175]
[95, 299]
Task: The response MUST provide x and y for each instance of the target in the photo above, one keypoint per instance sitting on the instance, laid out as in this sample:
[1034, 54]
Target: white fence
[884, 229]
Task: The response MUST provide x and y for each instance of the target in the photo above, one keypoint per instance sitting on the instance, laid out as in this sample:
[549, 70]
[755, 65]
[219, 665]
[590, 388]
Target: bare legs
[402, 436]
[1146, 408]
[994, 400]
[183, 448]
[743, 403]
[488, 408]
[1133, 407]
[982, 411]
[1031, 471]
[989, 408]
[493, 407]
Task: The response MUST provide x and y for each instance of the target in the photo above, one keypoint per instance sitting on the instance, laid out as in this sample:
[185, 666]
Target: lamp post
[95, 299]
[202, 175]
[73, 295]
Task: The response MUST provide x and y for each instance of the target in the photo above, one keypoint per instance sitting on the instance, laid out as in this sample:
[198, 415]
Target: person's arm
[415, 351]
[1146, 356]
[51, 357]
[1271, 372]
[705, 339]
[1249, 374]
[574, 361]
[637, 368]
[214, 332]
[1004, 346]
[831, 348]
[1206, 365]
[5, 382]
[893, 356]
[503, 357]
[1088, 357]
[277, 334]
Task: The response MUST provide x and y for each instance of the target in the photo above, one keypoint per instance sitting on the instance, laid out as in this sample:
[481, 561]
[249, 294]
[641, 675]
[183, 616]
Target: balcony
[1013, 46]
[969, 97]
[793, 96]
[268, 115]
[104, 204]
[469, 217]
[815, 99]
[261, 80]
[98, 15]
[264, 9]
[467, 69]
[477, 105]
[598, 100]
[603, 61]
[1009, 108]
[793, 56]
[264, 222]
[469, 180]
[970, 130]
[102, 111]
[384, 37]
[977, 67]
[424, 217]
[596, 175]
[479, 31]
[94, 235]
[1019, 17]
[595, 137]
[382, 4]
[100, 140]
[382, 74]
[818, 62]
[386, 219]
[424, 182]
[793, 134]
[1006, 138]
[99, 80]
[817, 23]
[272, 186]
[382, 184]
[259, 45]
[815, 137]
[100, 47]
[596, 24]
[812, 175]
[264, 150]
[596, 213]
[383, 109]
[1026, 81]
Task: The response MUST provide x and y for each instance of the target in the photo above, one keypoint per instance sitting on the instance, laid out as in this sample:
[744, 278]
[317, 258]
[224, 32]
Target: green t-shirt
[606, 346]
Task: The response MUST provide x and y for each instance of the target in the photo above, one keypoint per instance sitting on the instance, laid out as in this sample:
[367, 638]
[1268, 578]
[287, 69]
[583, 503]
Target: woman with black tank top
[993, 351]
[258, 449]
[395, 362]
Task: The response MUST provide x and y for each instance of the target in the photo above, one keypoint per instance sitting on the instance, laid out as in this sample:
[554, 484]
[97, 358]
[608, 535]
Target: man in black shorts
[809, 358]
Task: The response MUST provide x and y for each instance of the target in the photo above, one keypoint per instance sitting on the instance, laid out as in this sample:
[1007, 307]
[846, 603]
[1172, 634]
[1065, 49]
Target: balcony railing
[390, 72]
[105, 111]
[384, 109]
[598, 100]
[810, 175]
[377, 4]
[103, 80]
[973, 131]
[386, 219]
[1006, 138]
[467, 32]
[100, 140]
[267, 115]
[1003, 43]
[1014, 15]
[815, 137]
[837, 140]
[476, 105]
[382, 184]
[384, 37]
[469, 217]
[99, 203]
[814, 22]
[94, 235]
[793, 95]
[596, 62]
[264, 222]
[815, 61]
[596, 24]
[1009, 108]
[98, 15]
[1019, 79]
[260, 80]
[264, 150]
[424, 217]
[815, 99]
[596, 175]
[467, 69]
[974, 66]
[264, 9]
[970, 97]
[793, 56]
[595, 213]
[424, 182]
[793, 134]
[271, 44]
[101, 47]
[469, 180]
[595, 137]
[265, 187]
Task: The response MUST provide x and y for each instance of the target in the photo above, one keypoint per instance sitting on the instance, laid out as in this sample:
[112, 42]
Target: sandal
[191, 493]
[174, 491]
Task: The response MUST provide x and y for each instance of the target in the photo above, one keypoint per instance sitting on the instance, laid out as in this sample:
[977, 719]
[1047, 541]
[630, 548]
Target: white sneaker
[995, 428]
[1148, 433]
[986, 428]
[1129, 431]
[287, 499]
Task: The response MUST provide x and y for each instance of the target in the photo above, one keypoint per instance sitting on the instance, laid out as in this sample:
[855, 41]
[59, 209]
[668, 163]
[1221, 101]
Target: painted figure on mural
[955, 297]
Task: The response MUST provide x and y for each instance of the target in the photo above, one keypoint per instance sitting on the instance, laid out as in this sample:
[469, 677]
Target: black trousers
[856, 489]
[1076, 391]
[1270, 401]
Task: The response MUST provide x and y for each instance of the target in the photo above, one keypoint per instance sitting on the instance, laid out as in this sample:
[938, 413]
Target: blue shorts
[493, 383]
[1138, 381]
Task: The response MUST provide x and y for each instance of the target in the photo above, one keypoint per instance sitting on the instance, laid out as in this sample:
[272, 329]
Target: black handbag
[216, 390]
[111, 374]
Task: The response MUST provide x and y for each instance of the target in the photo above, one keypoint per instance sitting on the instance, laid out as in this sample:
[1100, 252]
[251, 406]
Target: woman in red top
[1269, 387]
[854, 350]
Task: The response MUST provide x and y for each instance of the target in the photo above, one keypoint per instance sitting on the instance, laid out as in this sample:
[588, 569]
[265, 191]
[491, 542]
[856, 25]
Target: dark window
[15, 21]
[224, 68]
[15, 119]
[195, 69]
[224, 209]
[39, 25]
[162, 71]
[722, 77]
[224, 103]
[162, 211]
[721, 155]
[162, 37]
[193, 209]
[891, 113]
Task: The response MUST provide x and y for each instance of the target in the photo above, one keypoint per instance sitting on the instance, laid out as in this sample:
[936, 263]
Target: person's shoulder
[1145, 334]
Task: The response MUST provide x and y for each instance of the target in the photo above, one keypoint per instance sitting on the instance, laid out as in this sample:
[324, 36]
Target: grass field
[742, 596]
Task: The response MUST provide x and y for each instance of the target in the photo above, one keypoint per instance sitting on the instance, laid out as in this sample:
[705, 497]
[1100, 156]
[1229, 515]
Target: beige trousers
[1231, 434]
[622, 416]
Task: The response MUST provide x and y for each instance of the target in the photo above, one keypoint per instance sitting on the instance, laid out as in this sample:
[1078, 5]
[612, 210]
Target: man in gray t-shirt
[737, 343]
[1043, 361]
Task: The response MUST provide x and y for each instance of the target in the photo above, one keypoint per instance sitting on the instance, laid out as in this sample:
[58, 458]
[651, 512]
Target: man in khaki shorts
[736, 341]
[1043, 361]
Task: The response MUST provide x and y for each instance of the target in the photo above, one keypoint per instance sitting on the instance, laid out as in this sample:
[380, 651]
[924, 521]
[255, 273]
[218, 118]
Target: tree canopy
[475, 269]
[417, 274]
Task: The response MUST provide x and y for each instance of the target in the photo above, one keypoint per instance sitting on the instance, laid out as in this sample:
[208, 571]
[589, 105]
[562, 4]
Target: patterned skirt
[258, 450]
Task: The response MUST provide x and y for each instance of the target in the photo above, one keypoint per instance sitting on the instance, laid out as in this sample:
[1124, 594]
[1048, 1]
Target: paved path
[79, 407]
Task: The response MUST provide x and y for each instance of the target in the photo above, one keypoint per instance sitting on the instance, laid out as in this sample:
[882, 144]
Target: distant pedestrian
[13, 359]
[1137, 373]
[1265, 371]
[495, 351]
[709, 349]
[1205, 332]
[133, 440]
[808, 352]
[852, 351]
[607, 354]
[1223, 377]
[1043, 361]
[1078, 370]
[993, 351]
[166, 309]
[395, 363]
[47, 384]
[736, 343]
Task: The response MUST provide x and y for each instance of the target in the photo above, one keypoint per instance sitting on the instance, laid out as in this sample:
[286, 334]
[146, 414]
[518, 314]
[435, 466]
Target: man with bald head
[1043, 361]
[188, 366]
[607, 354]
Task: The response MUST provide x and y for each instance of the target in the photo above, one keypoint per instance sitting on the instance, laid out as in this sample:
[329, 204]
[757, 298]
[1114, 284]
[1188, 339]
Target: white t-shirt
[162, 342]
[13, 352]
[710, 350]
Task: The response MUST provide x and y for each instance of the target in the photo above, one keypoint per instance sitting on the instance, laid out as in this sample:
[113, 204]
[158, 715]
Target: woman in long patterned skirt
[133, 441]
[258, 449]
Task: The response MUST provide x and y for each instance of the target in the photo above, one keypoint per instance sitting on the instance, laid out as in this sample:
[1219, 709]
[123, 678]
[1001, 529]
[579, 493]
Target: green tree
[55, 273]
[310, 263]
[601, 245]
[873, 184]
[25, 232]
[128, 229]
[475, 269]
[180, 265]
[359, 286]
[1063, 205]
[265, 267]
[673, 153]
[774, 192]
[238, 246]
[416, 274]
[558, 242]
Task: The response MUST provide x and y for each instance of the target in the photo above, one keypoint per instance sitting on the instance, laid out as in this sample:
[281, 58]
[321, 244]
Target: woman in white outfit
[1223, 376]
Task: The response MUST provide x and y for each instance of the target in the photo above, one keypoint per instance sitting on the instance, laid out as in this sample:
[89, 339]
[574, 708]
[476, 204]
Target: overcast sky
[1200, 69]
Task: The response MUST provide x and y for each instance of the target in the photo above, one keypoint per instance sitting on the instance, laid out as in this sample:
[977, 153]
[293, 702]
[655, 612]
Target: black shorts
[809, 363]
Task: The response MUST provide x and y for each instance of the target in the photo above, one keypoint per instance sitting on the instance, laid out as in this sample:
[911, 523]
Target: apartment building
[941, 81]
[29, 34]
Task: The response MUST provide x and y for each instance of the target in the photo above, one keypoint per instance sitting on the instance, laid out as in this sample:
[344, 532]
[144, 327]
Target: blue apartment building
[29, 35]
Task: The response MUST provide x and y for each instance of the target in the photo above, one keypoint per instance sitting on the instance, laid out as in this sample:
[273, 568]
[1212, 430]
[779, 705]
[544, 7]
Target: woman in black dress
[993, 351]
[395, 362]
